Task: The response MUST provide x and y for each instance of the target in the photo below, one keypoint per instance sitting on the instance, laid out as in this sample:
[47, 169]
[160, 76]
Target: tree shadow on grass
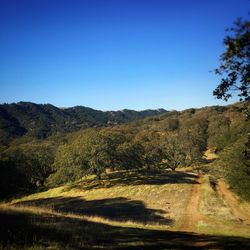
[138, 177]
[20, 230]
[117, 209]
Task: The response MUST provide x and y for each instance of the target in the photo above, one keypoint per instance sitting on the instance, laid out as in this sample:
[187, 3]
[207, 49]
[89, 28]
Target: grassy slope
[125, 209]
[136, 194]
[220, 217]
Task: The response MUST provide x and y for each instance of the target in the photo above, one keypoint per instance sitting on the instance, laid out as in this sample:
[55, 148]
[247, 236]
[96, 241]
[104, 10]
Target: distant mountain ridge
[43, 120]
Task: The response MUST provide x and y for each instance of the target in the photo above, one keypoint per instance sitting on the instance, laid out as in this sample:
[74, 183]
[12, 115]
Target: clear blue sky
[113, 54]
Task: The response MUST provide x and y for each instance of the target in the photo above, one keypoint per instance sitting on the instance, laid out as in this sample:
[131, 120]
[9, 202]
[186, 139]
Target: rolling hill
[43, 120]
[129, 210]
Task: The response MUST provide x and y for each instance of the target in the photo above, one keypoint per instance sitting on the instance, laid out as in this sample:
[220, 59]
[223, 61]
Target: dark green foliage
[234, 162]
[33, 160]
[9, 127]
[152, 148]
[235, 63]
[25, 167]
[66, 174]
[174, 154]
[41, 121]
[219, 132]
[13, 181]
[102, 151]
[130, 155]
[193, 137]
[93, 152]
[69, 164]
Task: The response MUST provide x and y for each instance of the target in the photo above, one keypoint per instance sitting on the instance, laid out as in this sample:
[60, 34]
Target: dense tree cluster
[25, 166]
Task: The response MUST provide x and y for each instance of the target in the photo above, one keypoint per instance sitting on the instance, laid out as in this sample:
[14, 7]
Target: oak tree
[235, 63]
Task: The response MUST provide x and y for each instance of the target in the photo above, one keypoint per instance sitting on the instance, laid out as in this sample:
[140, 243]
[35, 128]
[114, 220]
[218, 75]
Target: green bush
[235, 164]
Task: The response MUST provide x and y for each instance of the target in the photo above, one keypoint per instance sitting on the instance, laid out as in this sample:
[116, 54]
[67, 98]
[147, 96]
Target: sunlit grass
[171, 198]
[54, 215]
[211, 204]
[53, 192]
[220, 219]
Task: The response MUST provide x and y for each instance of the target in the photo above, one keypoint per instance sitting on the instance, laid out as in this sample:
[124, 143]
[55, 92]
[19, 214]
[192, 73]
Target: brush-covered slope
[42, 120]
[170, 140]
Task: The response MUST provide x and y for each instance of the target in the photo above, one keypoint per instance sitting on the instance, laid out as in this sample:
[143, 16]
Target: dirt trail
[192, 214]
[232, 202]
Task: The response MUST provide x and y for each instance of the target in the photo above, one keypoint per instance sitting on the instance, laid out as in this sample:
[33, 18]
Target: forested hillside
[41, 121]
[171, 140]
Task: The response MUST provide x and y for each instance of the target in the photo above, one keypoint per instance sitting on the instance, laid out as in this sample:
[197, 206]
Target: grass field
[127, 210]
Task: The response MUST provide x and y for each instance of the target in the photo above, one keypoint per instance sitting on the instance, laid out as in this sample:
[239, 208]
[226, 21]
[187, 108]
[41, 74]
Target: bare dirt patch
[192, 215]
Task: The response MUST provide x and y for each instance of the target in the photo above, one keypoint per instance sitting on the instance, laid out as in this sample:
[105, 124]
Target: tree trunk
[98, 176]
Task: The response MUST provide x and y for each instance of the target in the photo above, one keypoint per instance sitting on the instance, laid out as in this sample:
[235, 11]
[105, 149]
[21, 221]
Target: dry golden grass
[210, 155]
[35, 228]
[211, 204]
[167, 196]
[48, 211]
[219, 217]
[126, 209]
[170, 198]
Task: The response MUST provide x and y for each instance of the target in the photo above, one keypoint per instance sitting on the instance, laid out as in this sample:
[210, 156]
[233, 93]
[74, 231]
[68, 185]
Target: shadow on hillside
[23, 230]
[117, 209]
[139, 177]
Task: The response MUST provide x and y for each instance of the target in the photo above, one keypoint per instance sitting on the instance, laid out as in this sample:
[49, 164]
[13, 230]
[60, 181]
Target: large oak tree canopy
[235, 63]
